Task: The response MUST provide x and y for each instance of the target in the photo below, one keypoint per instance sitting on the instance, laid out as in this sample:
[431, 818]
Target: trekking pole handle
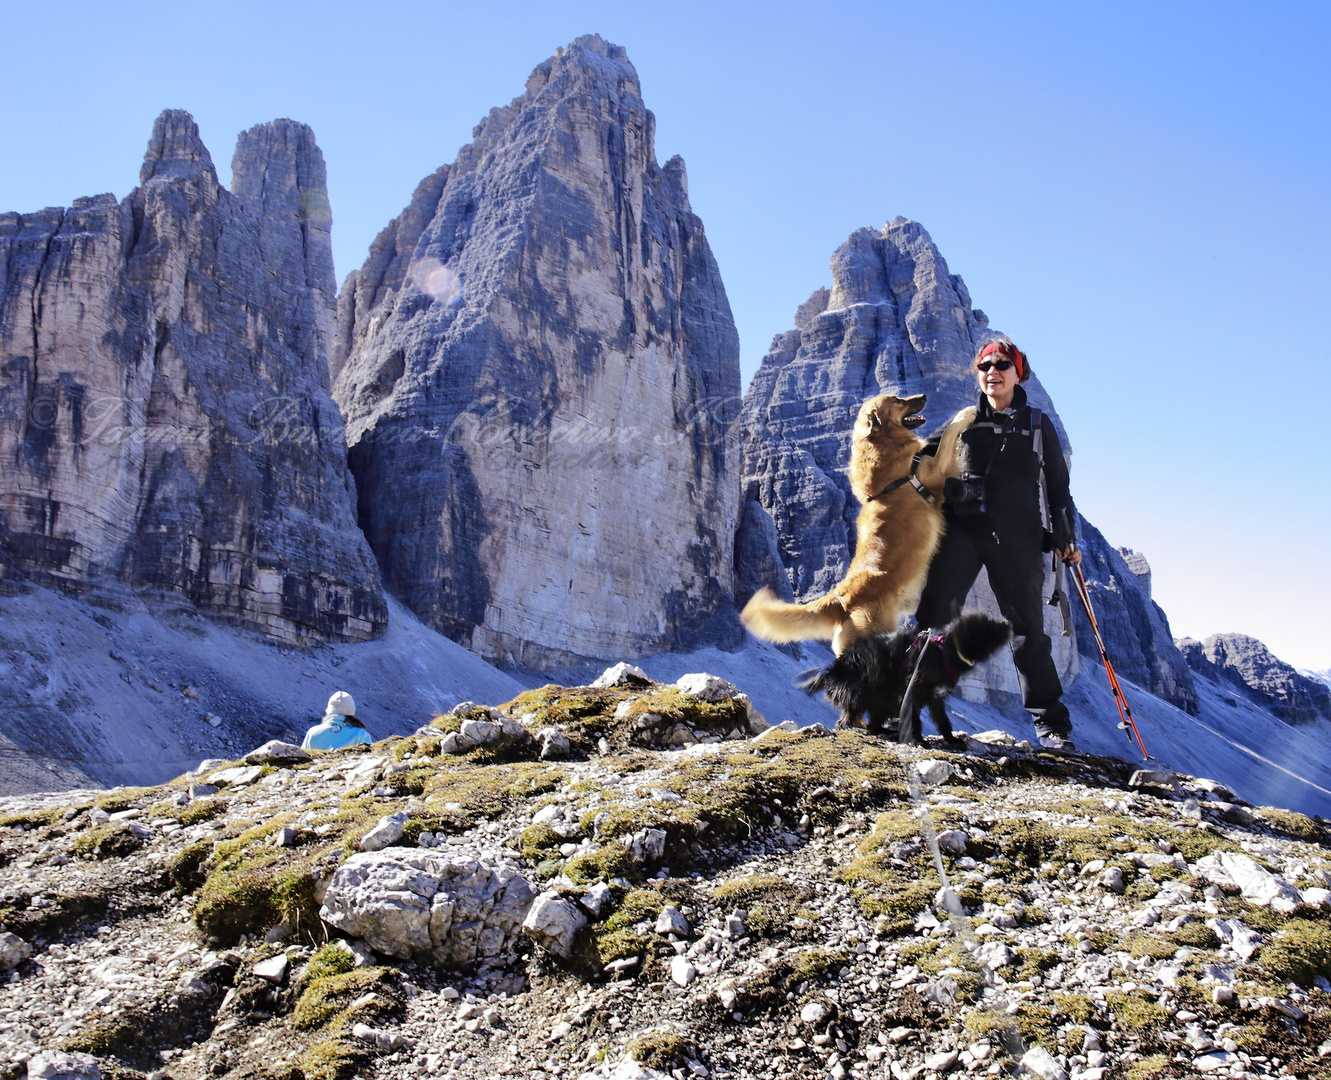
[1070, 530]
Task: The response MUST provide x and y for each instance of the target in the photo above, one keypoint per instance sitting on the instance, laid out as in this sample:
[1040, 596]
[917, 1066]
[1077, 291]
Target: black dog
[872, 675]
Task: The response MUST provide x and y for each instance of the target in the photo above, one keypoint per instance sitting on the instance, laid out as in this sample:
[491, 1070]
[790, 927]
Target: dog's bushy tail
[814, 679]
[773, 619]
[977, 637]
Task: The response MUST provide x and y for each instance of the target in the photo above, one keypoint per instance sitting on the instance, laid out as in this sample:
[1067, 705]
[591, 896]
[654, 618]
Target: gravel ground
[1096, 923]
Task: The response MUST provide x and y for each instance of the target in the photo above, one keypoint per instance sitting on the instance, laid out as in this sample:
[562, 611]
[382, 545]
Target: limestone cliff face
[1249, 666]
[165, 419]
[539, 372]
[1134, 627]
[897, 321]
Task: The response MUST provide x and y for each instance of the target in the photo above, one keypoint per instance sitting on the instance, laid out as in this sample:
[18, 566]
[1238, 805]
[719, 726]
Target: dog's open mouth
[912, 421]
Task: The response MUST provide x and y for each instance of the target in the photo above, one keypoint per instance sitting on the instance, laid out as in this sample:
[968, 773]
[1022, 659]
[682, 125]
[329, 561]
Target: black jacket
[1000, 448]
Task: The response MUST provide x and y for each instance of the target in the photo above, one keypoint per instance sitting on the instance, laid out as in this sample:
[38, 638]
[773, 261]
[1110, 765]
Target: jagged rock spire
[175, 149]
[539, 371]
[165, 422]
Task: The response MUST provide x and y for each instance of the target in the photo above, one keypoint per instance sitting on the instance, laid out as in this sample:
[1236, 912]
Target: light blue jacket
[332, 734]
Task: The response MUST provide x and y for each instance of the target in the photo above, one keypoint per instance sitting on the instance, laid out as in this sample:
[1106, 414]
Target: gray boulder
[553, 923]
[13, 951]
[539, 371]
[418, 904]
[61, 1065]
[276, 752]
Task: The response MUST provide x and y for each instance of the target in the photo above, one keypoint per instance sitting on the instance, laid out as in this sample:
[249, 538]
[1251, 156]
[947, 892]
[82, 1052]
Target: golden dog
[896, 534]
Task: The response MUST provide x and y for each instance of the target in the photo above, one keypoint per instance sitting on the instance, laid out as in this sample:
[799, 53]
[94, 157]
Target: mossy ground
[587, 715]
[113, 841]
[771, 903]
[662, 1050]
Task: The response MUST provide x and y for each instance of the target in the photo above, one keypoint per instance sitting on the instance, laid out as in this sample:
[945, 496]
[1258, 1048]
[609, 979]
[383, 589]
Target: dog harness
[922, 641]
[914, 481]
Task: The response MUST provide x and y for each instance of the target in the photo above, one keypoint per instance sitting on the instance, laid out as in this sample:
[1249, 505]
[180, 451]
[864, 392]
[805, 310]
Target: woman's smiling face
[997, 386]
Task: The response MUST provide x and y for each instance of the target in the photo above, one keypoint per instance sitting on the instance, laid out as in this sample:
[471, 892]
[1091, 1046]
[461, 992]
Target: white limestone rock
[63, 1065]
[933, 772]
[622, 674]
[13, 951]
[417, 904]
[276, 752]
[387, 832]
[706, 687]
[1256, 883]
[553, 922]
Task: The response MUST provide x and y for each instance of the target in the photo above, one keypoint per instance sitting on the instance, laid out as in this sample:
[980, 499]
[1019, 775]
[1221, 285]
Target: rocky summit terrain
[644, 880]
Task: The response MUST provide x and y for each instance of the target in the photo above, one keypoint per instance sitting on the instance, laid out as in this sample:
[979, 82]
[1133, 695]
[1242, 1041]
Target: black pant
[1016, 573]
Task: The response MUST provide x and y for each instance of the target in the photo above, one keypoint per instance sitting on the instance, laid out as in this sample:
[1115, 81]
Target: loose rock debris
[688, 893]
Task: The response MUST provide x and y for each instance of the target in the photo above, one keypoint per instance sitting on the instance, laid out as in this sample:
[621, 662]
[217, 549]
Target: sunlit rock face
[1134, 627]
[897, 321]
[1250, 667]
[540, 373]
[165, 419]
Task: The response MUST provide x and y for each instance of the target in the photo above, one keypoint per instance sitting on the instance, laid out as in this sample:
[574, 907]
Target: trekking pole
[1124, 709]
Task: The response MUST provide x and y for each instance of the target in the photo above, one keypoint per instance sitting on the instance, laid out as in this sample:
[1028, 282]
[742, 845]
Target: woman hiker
[995, 519]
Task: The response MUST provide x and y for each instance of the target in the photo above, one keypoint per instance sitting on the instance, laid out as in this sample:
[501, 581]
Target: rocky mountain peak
[175, 149]
[1248, 665]
[278, 173]
[183, 447]
[544, 327]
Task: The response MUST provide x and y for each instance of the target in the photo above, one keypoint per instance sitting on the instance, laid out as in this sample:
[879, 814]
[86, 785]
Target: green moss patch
[1294, 825]
[610, 861]
[586, 715]
[1136, 1011]
[201, 810]
[1300, 952]
[331, 958]
[770, 901]
[1152, 945]
[662, 1050]
[257, 895]
[338, 1000]
[459, 794]
[618, 936]
[113, 841]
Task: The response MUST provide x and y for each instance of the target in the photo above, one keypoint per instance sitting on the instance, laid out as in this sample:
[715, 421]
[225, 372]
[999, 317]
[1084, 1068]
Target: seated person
[338, 728]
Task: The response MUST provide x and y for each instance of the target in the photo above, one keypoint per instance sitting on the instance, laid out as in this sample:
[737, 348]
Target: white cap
[341, 703]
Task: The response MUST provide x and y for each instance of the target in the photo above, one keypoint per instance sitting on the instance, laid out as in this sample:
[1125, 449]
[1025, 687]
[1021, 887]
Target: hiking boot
[1057, 742]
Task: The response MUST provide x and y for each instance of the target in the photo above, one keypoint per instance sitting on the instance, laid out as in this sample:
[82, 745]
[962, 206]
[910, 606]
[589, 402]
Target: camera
[964, 494]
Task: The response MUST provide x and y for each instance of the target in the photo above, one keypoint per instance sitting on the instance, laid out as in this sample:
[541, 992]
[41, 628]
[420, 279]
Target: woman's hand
[1071, 555]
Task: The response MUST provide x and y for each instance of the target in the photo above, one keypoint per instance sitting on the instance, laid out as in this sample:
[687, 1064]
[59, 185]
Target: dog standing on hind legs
[872, 676]
[896, 534]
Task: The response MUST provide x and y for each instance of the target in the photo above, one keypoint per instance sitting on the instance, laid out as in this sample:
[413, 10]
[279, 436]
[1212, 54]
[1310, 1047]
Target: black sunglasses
[1000, 365]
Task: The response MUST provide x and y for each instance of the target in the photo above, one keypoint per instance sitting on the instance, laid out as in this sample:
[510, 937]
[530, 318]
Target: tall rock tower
[165, 419]
[540, 374]
[894, 321]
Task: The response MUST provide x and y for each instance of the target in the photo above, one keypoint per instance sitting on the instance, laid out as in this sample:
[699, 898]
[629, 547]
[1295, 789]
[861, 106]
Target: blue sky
[1137, 192]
